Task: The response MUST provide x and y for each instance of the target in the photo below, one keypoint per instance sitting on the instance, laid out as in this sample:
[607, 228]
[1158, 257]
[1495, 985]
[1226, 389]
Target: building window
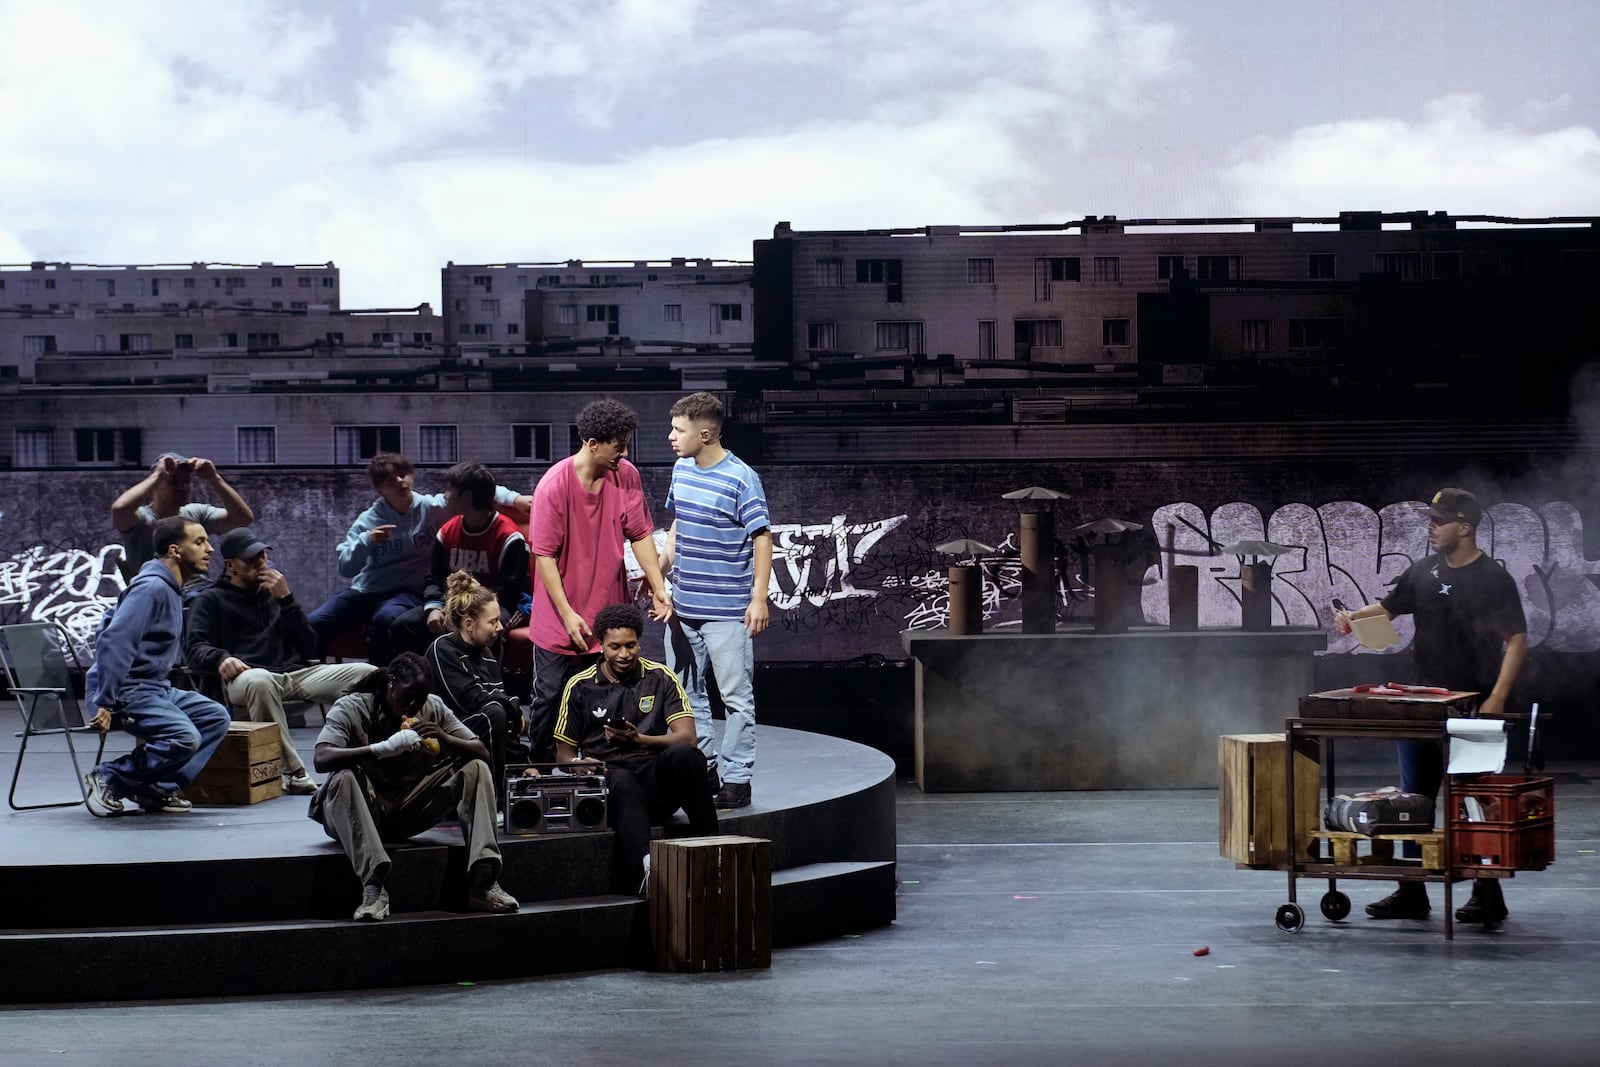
[1316, 334]
[671, 312]
[722, 313]
[277, 283]
[1169, 268]
[327, 282]
[257, 444]
[133, 342]
[353, 444]
[1116, 333]
[335, 337]
[465, 330]
[95, 446]
[183, 340]
[305, 282]
[1027, 334]
[262, 340]
[1051, 270]
[277, 305]
[1319, 267]
[481, 329]
[884, 271]
[155, 286]
[233, 283]
[606, 313]
[566, 314]
[1255, 335]
[33, 446]
[188, 283]
[511, 329]
[384, 337]
[1108, 268]
[899, 336]
[830, 273]
[820, 337]
[988, 339]
[436, 444]
[38, 344]
[530, 441]
[297, 305]
[227, 340]
[1405, 264]
[106, 287]
[484, 280]
[1218, 268]
[490, 307]
[980, 271]
[1447, 264]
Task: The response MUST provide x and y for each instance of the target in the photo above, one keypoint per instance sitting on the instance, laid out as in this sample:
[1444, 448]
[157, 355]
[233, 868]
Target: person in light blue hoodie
[134, 654]
[388, 548]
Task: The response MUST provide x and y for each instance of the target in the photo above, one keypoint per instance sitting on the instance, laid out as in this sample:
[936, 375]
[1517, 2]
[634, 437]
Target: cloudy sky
[391, 136]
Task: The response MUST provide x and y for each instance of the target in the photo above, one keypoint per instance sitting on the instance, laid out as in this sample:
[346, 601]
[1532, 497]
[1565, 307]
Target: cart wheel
[1290, 918]
[1335, 905]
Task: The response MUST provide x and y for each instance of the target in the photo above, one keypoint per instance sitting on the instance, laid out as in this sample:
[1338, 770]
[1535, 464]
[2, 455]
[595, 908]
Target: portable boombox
[555, 801]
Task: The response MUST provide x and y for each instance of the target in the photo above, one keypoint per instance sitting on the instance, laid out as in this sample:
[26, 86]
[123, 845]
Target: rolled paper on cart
[1477, 746]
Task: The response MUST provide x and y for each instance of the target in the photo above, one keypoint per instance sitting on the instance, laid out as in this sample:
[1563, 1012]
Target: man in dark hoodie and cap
[134, 654]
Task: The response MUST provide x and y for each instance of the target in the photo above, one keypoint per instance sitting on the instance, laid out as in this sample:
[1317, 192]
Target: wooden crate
[1347, 848]
[246, 768]
[711, 903]
[1250, 801]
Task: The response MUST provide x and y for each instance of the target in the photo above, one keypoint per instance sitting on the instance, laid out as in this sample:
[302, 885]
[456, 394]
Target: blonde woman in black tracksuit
[464, 672]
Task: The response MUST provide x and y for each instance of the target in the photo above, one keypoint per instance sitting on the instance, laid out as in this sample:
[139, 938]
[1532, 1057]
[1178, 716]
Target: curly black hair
[619, 617]
[607, 420]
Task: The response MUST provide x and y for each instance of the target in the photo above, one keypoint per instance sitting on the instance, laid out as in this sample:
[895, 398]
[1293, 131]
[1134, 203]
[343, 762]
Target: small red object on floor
[1203, 950]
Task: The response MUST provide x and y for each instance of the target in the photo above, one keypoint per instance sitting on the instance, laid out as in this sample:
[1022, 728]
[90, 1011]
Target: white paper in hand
[1375, 632]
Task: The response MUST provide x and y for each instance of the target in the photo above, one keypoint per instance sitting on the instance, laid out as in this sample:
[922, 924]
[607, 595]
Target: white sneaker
[102, 800]
[299, 784]
[374, 904]
[491, 899]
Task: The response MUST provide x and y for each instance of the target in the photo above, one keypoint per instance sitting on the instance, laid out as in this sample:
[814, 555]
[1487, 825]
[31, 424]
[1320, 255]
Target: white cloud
[1451, 159]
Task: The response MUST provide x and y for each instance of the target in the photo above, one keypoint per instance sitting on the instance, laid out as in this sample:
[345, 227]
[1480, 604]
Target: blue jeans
[1421, 771]
[348, 609]
[724, 645]
[181, 729]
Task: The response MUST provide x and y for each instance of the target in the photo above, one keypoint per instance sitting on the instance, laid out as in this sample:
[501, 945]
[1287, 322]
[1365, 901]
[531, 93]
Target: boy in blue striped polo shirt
[720, 546]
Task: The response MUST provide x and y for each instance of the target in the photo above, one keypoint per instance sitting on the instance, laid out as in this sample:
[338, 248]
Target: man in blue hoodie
[134, 654]
[387, 550]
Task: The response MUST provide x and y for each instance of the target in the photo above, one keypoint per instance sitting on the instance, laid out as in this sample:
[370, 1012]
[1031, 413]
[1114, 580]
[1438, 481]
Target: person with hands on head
[1471, 636]
[586, 509]
[168, 490]
[130, 682]
[719, 550]
[629, 713]
[397, 762]
[248, 630]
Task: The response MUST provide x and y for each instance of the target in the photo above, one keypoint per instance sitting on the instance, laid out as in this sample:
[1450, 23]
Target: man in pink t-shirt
[584, 509]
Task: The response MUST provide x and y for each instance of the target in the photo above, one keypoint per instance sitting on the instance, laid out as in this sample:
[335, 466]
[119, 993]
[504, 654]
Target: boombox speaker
[554, 802]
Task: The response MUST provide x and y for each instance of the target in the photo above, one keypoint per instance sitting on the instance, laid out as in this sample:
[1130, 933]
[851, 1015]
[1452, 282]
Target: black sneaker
[733, 795]
[1487, 905]
[1410, 901]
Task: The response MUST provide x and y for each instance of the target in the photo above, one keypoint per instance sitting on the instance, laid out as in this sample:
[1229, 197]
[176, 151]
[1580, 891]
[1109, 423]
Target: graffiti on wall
[1348, 551]
[1002, 588]
[70, 586]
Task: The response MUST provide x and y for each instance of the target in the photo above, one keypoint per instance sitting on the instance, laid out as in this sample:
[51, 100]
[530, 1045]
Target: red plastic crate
[1517, 829]
[1527, 847]
[1505, 798]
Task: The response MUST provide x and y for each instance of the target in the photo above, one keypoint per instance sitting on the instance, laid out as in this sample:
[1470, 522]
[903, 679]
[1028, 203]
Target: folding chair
[45, 676]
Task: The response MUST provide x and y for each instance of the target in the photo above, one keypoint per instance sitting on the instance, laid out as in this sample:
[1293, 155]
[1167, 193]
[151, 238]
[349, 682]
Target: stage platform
[257, 899]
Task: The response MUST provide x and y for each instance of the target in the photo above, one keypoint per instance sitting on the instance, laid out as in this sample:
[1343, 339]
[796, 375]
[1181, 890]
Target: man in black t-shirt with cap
[630, 712]
[1471, 634]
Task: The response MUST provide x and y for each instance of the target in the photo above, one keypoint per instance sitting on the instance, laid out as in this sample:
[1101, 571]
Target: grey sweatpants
[361, 819]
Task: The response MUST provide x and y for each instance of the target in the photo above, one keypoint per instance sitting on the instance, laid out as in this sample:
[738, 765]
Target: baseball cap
[242, 544]
[1455, 505]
